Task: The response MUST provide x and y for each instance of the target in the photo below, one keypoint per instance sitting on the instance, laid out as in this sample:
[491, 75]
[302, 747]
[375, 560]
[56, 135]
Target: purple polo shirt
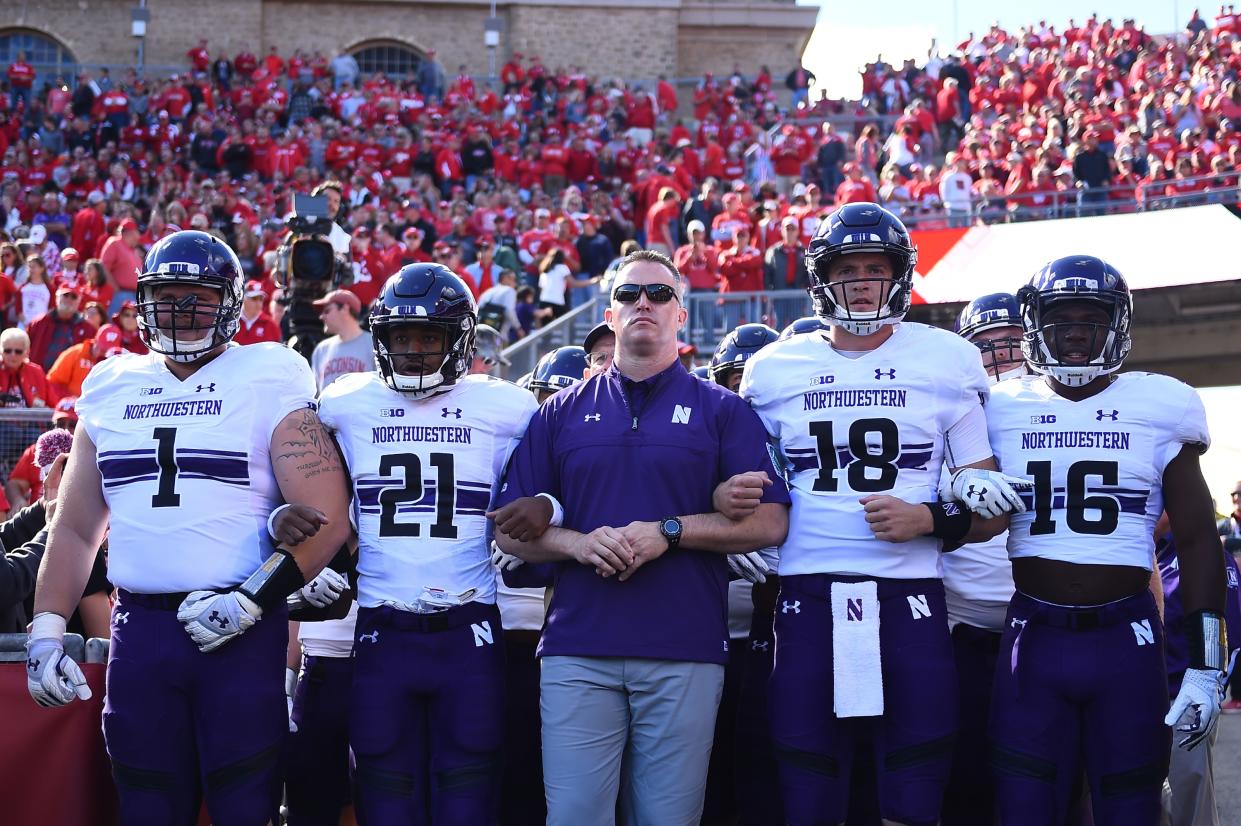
[614, 451]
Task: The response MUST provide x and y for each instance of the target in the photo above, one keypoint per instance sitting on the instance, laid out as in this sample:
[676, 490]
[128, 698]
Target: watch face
[671, 526]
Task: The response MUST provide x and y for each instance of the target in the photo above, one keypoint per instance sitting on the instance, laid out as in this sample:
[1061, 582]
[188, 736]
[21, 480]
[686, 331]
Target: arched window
[392, 59]
[42, 52]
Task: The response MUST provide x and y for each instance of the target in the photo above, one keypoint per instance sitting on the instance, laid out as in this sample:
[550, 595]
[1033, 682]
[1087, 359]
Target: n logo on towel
[1142, 632]
[853, 610]
[918, 606]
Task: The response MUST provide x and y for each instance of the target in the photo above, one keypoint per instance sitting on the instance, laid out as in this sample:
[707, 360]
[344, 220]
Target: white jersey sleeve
[1096, 465]
[424, 472]
[186, 465]
[847, 427]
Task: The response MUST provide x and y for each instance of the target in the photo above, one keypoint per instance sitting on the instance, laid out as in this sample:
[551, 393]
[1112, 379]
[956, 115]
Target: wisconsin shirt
[614, 451]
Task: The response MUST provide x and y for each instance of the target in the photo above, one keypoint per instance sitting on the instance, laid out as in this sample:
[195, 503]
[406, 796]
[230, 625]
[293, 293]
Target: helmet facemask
[831, 296]
[1047, 343]
[423, 371]
[185, 329]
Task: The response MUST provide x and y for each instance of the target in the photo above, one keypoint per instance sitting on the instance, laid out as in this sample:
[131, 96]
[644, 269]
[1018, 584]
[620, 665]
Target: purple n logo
[853, 610]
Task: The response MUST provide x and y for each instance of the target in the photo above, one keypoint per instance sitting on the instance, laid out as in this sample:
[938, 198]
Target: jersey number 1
[166, 495]
[412, 491]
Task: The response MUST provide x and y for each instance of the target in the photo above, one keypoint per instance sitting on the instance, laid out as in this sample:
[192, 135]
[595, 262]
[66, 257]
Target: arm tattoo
[310, 446]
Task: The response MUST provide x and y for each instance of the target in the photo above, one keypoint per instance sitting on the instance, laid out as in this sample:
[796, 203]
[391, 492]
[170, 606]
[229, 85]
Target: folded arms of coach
[621, 550]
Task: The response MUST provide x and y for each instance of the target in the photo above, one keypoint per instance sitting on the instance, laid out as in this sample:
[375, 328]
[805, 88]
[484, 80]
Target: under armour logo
[32, 665]
[122, 617]
[593, 417]
[1100, 415]
[448, 413]
[760, 645]
[794, 606]
[978, 494]
[880, 373]
[314, 586]
[217, 619]
[210, 388]
[1018, 623]
[371, 637]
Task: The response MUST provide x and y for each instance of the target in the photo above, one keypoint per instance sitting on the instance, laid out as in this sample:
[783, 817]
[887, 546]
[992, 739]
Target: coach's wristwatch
[671, 529]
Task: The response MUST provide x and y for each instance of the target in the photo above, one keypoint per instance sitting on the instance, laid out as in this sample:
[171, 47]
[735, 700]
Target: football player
[561, 368]
[183, 453]
[865, 415]
[741, 782]
[978, 584]
[488, 352]
[1105, 453]
[425, 446]
[809, 324]
[522, 596]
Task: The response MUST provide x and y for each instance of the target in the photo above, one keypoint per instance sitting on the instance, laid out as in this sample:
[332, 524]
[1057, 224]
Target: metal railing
[713, 315]
[20, 427]
[570, 328]
[1078, 202]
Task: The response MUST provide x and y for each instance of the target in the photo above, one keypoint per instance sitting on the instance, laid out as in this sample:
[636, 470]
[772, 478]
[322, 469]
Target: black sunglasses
[657, 293]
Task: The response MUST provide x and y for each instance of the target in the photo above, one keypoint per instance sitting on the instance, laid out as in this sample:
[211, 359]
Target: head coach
[636, 639]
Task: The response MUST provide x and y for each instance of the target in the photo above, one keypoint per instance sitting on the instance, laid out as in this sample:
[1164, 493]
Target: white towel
[856, 665]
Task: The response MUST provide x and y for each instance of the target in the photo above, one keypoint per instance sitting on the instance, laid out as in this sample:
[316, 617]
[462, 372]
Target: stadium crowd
[527, 193]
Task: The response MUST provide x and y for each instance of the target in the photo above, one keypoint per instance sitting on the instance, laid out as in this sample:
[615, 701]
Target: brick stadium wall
[621, 42]
[701, 50]
[611, 38]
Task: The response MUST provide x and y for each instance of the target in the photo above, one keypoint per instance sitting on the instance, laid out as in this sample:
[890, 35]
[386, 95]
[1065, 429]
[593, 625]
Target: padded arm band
[274, 580]
[1208, 640]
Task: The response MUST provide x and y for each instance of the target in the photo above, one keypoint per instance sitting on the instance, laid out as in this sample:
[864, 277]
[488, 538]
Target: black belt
[160, 602]
[455, 617]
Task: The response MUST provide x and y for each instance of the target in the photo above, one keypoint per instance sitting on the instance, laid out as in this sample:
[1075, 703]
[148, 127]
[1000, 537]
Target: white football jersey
[1097, 464]
[847, 428]
[424, 472]
[186, 465]
[329, 638]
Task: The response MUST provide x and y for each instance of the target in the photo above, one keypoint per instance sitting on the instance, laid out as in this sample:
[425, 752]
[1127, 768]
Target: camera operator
[313, 262]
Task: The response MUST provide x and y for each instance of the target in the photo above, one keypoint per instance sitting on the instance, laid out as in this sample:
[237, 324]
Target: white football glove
[989, 493]
[751, 567]
[52, 677]
[503, 561]
[320, 592]
[1197, 705]
[212, 619]
[290, 688]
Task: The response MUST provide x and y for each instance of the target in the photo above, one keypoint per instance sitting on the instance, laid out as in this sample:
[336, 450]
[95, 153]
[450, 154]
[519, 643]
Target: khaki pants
[1189, 791]
[657, 717]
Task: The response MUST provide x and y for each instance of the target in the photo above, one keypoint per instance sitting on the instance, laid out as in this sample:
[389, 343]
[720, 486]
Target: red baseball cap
[340, 297]
[69, 253]
[254, 289]
[66, 408]
[128, 224]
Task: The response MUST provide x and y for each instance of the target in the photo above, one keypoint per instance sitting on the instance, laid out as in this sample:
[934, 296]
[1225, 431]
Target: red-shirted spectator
[122, 259]
[23, 382]
[698, 260]
[199, 58]
[58, 328]
[21, 79]
[660, 219]
[256, 325]
[89, 228]
[855, 188]
[741, 265]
